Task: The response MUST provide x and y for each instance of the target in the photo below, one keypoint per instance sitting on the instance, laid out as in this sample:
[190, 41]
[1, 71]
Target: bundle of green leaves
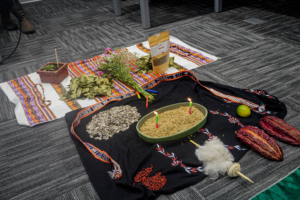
[144, 64]
[88, 86]
[114, 66]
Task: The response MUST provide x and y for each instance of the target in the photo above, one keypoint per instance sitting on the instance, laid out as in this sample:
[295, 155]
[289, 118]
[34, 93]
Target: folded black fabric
[175, 160]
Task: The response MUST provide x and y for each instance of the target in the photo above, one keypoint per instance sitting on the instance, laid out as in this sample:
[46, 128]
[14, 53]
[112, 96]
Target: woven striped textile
[29, 110]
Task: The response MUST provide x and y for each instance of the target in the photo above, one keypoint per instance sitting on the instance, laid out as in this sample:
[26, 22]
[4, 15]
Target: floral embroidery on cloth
[210, 137]
[153, 183]
[231, 119]
[177, 162]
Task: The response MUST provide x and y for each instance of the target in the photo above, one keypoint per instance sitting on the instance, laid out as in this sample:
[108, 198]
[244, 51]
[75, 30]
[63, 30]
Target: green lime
[243, 111]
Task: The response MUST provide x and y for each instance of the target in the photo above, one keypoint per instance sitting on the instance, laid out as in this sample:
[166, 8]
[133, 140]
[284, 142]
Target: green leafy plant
[88, 86]
[114, 66]
[51, 67]
[144, 64]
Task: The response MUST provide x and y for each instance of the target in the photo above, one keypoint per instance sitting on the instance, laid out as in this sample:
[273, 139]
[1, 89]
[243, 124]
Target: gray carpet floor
[42, 162]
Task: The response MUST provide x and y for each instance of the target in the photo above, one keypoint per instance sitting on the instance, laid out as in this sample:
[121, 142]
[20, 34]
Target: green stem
[138, 88]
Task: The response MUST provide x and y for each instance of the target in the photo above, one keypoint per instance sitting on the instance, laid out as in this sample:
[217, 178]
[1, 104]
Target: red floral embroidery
[142, 175]
[153, 183]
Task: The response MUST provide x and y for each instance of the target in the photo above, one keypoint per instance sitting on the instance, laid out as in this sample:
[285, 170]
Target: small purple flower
[107, 50]
[100, 73]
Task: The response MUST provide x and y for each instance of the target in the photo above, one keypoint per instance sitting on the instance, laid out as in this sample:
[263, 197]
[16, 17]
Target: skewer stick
[147, 101]
[138, 94]
[56, 58]
[244, 177]
[232, 170]
[194, 143]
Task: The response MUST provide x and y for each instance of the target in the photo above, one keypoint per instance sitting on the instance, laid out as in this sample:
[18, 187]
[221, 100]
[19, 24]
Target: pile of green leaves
[51, 67]
[144, 64]
[88, 86]
[115, 67]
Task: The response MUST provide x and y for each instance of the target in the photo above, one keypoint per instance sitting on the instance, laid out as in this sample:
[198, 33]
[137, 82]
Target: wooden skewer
[244, 177]
[56, 58]
[233, 170]
[194, 143]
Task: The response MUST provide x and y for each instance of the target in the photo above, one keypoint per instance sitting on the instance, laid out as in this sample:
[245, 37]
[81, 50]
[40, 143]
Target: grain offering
[107, 123]
[172, 122]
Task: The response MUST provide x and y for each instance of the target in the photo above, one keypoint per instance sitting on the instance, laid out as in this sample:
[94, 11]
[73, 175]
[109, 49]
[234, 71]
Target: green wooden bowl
[177, 135]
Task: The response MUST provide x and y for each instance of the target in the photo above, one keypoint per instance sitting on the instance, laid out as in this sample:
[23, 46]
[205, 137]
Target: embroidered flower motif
[238, 147]
[141, 176]
[177, 162]
[214, 112]
[210, 137]
[231, 119]
[153, 183]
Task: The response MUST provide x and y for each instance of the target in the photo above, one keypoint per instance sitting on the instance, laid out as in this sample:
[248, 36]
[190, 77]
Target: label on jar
[160, 48]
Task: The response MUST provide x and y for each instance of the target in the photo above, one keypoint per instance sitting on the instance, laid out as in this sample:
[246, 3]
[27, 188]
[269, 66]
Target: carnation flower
[100, 73]
[108, 50]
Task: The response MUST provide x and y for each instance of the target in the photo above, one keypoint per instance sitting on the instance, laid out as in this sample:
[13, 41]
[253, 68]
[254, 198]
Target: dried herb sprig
[88, 86]
[144, 64]
[114, 66]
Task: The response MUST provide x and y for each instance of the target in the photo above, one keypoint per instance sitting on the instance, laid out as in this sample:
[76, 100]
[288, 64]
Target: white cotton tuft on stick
[215, 157]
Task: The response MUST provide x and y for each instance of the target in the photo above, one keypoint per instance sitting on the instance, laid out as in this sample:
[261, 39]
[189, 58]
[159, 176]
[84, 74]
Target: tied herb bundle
[114, 66]
[88, 86]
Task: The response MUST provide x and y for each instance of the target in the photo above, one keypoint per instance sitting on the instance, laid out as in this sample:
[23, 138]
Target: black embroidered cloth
[125, 154]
